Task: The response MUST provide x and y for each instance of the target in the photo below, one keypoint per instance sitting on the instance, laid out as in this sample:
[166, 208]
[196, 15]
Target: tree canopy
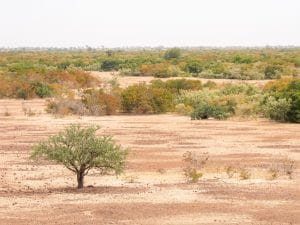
[79, 150]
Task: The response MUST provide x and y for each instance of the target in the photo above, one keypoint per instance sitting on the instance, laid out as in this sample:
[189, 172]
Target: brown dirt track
[153, 190]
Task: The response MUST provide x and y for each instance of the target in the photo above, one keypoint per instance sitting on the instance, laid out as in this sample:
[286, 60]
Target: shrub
[293, 92]
[284, 93]
[210, 104]
[194, 68]
[79, 150]
[205, 111]
[161, 100]
[135, 99]
[22, 93]
[140, 98]
[99, 103]
[177, 85]
[160, 70]
[272, 71]
[42, 90]
[246, 89]
[277, 109]
[173, 53]
[110, 65]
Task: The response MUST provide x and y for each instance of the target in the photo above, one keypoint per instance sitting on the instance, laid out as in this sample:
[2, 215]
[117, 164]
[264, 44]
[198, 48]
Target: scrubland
[202, 150]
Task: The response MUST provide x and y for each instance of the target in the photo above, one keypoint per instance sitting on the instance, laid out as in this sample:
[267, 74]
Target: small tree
[79, 150]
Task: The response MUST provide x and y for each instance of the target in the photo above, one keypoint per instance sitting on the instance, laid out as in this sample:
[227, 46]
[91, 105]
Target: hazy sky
[119, 23]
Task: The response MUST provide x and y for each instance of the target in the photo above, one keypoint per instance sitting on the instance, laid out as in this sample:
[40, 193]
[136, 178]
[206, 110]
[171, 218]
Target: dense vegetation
[278, 100]
[22, 68]
[27, 74]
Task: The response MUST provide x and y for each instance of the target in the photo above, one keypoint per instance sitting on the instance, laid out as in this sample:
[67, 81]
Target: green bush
[173, 53]
[272, 71]
[140, 98]
[135, 99]
[161, 100]
[194, 68]
[205, 111]
[246, 89]
[277, 109]
[283, 93]
[42, 90]
[22, 93]
[110, 65]
[208, 104]
[293, 93]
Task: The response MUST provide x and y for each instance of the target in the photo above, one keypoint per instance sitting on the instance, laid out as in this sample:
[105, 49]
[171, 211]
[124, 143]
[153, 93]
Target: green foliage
[208, 104]
[183, 84]
[277, 109]
[135, 99]
[242, 59]
[272, 71]
[140, 98]
[293, 92]
[283, 96]
[161, 100]
[194, 67]
[22, 93]
[79, 150]
[296, 61]
[173, 53]
[206, 110]
[42, 90]
[58, 70]
[110, 65]
[234, 89]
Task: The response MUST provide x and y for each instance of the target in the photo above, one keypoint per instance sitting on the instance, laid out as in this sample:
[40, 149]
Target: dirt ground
[125, 81]
[153, 189]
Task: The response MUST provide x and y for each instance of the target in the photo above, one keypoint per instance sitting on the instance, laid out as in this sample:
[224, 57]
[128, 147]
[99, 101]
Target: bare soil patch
[153, 190]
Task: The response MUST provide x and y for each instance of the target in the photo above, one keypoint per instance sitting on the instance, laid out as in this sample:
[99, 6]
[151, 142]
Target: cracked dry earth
[153, 190]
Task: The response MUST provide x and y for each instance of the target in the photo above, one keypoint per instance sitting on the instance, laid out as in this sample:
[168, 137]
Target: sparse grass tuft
[230, 171]
[274, 173]
[193, 164]
[6, 113]
[288, 167]
[245, 174]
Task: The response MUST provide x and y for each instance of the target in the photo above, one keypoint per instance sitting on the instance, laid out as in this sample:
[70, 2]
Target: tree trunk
[80, 176]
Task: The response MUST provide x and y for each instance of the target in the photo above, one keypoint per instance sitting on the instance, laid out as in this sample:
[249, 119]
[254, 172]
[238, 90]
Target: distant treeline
[36, 72]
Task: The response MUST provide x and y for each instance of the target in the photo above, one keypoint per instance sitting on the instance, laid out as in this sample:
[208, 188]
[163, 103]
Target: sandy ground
[125, 81]
[153, 190]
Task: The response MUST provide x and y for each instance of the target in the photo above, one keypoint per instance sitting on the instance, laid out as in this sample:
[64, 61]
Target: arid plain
[153, 189]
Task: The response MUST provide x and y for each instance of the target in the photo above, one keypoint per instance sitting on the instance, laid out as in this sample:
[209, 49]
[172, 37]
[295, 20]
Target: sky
[128, 23]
